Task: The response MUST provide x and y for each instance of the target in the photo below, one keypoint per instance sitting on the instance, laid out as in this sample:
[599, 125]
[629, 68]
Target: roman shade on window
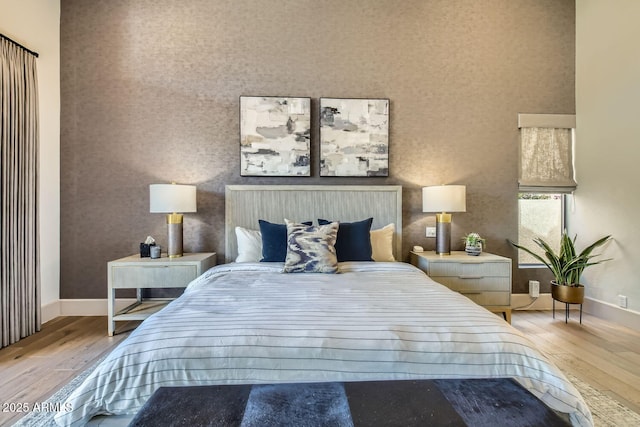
[546, 153]
[19, 138]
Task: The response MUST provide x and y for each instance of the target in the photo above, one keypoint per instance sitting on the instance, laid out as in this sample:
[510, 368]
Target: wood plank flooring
[602, 354]
[35, 367]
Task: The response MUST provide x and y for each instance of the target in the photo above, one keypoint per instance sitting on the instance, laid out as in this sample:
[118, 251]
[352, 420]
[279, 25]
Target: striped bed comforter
[250, 323]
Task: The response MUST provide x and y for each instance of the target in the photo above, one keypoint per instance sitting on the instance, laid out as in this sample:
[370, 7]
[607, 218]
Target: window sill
[528, 266]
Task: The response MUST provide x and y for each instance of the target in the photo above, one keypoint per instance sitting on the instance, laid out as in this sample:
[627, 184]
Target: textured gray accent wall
[149, 94]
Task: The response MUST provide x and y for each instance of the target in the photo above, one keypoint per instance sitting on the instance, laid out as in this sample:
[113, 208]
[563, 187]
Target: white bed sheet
[249, 323]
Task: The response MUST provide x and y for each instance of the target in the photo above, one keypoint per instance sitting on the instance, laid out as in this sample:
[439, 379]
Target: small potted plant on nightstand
[473, 244]
[566, 266]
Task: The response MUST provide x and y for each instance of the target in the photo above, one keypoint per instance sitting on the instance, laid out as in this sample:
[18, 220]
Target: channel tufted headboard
[246, 204]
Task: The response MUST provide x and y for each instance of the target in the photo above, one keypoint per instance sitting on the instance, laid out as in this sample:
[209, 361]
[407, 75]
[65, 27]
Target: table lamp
[174, 200]
[444, 199]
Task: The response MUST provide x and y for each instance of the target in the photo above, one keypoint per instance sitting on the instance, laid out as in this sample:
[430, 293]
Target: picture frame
[275, 136]
[354, 137]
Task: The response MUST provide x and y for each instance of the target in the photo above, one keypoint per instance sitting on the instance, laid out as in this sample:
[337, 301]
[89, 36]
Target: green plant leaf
[566, 265]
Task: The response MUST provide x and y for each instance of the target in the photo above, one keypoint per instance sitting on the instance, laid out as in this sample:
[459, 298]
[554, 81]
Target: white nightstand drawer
[485, 279]
[155, 276]
[488, 298]
[473, 284]
[470, 270]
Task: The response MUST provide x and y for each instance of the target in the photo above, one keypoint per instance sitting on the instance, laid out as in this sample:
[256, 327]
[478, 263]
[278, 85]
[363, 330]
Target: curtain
[546, 160]
[19, 140]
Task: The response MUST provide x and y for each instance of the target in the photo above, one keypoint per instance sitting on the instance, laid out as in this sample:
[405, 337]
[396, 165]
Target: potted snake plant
[473, 244]
[566, 266]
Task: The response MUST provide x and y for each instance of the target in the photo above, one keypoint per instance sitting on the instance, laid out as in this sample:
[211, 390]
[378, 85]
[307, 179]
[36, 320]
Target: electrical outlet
[622, 301]
[431, 232]
[534, 288]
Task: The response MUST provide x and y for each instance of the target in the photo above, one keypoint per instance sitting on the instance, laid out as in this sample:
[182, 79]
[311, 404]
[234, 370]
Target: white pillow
[249, 245]
[382, 243]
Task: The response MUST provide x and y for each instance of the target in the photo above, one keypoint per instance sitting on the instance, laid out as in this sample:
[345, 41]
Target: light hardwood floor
[35, 367]
[602, 354]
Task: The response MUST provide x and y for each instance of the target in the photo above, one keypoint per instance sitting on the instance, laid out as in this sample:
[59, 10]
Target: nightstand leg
[111, 311]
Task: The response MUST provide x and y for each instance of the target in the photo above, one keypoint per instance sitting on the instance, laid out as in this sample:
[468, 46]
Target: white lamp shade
[444, 198]
[172, 198]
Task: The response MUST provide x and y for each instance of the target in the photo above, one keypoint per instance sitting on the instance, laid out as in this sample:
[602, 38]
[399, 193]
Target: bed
[249, 323]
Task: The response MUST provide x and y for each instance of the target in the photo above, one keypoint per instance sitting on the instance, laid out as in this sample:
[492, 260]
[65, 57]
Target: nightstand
[133, 272]
[485, 279]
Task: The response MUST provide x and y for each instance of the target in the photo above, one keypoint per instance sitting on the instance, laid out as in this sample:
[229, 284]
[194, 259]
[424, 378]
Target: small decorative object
[275, 136]
[174, 200]
[145, 248]
[354, 137]
[566, 266]
[473, 244]
[155, 251]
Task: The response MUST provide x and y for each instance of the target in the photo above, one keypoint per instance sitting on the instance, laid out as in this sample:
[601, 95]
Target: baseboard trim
[612, 313]
[80, 307]
[50, 311]
[98, 307]
[525, 302]
[604, 310]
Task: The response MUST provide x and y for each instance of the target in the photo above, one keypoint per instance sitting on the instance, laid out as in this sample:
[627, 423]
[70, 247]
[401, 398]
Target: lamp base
[443, 234]
[174, 228]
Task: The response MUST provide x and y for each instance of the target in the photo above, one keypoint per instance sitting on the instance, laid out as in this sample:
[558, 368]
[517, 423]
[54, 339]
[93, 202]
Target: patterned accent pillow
[311, 249]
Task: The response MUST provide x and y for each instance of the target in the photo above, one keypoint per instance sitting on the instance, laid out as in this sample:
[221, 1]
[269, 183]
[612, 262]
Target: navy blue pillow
[274, 240]
[354, 240]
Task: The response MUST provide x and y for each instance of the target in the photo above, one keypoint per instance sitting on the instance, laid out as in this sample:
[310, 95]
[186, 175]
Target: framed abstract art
[275, 136]
[354, 137]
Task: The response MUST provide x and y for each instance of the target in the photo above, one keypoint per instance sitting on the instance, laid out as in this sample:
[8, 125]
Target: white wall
[608, 144]
[36, 25]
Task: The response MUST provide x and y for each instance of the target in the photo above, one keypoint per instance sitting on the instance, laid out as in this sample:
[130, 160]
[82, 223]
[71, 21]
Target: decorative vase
[473, 250]
[567, 294]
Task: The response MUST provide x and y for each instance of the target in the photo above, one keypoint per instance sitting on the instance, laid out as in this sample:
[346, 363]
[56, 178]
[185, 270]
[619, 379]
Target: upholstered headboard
[246, 204]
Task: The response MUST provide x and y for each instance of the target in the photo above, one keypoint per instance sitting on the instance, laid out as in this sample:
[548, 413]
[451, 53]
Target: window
[540, 215]
[546, 175]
